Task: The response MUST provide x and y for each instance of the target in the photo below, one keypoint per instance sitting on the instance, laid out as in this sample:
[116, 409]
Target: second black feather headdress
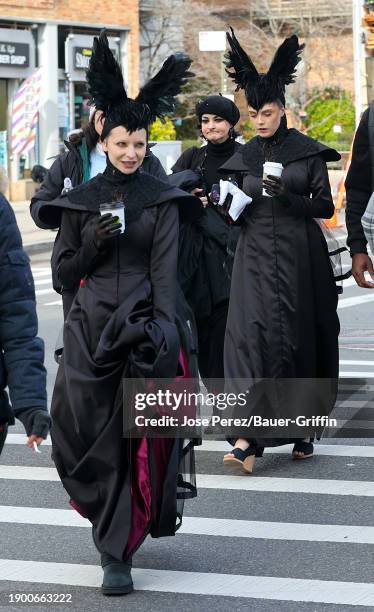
[261, 88]
[155, 99]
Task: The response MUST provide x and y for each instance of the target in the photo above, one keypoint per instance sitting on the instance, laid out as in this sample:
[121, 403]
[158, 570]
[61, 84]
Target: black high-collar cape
[137, 191]
[295, 146]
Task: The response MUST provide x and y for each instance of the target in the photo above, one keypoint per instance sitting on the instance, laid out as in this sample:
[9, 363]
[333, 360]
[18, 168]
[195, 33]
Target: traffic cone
[333, 222]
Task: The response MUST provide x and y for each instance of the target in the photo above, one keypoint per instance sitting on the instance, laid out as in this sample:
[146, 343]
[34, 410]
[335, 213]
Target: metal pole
[358, 56]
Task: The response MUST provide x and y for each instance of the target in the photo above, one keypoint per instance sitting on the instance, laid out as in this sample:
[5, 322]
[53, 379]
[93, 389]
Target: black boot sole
[117, 590]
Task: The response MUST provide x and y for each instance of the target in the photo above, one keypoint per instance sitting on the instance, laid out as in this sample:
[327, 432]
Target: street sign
[212, 41]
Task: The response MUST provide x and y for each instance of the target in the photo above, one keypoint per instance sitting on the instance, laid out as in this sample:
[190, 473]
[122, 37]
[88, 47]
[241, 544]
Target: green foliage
[162, 131]
[247, 130]
[331, 107]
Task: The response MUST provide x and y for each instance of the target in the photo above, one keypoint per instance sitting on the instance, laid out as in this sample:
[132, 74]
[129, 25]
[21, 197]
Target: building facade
[56, 37]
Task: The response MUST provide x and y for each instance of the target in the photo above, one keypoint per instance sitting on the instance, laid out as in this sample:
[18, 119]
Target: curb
[38, 247]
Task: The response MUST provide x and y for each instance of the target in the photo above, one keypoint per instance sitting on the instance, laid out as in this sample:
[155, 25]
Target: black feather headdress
[155, 99]
[262, 88]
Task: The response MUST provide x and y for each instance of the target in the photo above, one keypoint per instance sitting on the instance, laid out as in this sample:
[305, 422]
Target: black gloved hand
[106, 228]
[275, 187]
[36, 421]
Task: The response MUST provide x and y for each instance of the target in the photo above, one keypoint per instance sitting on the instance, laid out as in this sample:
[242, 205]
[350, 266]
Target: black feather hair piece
[155, 99]
[262, 88]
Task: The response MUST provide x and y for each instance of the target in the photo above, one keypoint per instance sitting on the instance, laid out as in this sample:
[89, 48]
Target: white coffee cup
[117, 209]
[272, 169]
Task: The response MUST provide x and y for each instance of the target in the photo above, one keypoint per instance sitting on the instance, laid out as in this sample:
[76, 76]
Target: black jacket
[70, 165]
[358, 186]
[21, 351]
[203, 254]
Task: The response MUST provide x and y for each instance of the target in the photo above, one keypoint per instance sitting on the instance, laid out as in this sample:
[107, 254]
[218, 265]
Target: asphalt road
[292, 537]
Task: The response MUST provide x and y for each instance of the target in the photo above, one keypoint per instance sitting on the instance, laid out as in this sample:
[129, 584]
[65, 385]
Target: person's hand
[32, 439]
[274, 186]
[197, 192]
[239, 198]
[362, 263]
[107, 227]
[37, 424]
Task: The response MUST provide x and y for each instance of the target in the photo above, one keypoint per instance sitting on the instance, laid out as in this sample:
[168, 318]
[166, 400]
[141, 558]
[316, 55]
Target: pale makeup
[267, 120]
[126, 150]
[214, 128]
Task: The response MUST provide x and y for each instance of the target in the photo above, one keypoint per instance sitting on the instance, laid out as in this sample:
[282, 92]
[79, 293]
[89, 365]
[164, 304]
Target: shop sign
[14, 54]
[82, 57]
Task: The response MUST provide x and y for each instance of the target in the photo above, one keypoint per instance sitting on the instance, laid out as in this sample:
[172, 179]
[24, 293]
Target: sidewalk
[34, 240]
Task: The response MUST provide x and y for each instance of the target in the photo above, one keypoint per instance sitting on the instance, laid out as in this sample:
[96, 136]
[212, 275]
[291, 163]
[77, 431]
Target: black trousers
[211, 337]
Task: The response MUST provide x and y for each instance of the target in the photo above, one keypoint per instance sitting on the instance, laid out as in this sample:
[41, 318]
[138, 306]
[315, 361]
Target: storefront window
[81, 107]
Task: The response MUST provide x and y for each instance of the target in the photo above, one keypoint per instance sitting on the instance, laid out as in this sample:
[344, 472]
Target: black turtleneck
[216, 156]
[117, 177]
[271, 146]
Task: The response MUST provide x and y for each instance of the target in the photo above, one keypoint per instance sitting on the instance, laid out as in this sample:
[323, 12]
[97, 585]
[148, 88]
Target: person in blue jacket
[22, 369]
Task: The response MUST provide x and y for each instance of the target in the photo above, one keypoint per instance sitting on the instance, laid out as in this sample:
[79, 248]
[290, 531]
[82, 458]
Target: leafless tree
[325, 26]
[161, 33]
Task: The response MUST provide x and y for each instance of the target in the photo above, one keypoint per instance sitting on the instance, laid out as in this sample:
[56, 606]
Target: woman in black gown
[121, 325]
[203, 245]
[282, 324]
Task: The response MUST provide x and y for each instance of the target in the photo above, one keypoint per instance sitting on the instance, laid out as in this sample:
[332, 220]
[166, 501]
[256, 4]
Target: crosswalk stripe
[41, 271]
[355, 301]
[44, 291]
[356, 374]
[356, 362]
[196, 583]
[286, 485]
[22, 472]
[231, 528]
[354, 404]
[331, 450]
[42, 281]
[17, 438]
[239, 483]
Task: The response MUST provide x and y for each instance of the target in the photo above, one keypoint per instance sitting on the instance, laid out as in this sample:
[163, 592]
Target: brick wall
[119, 13]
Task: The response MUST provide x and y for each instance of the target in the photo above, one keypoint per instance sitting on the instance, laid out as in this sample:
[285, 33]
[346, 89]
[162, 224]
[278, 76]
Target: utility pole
[358, 56]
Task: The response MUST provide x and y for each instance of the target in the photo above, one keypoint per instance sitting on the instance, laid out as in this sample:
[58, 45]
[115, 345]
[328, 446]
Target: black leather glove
[275, 187]
[106, 228]
[36, 421]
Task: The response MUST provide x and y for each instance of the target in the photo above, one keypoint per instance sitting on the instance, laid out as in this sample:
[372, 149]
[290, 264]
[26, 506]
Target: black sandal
[302, 447]
[242, 460]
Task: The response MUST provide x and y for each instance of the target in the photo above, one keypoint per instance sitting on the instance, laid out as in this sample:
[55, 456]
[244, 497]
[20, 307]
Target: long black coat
[203, 247]
[282, 321]
[122, 323]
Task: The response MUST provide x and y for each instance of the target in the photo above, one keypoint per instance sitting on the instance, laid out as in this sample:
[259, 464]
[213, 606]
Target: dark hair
[38, 173]
[109, 126]
[88, 132]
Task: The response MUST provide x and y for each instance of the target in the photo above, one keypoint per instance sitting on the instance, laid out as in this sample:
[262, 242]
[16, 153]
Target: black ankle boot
[117, 576]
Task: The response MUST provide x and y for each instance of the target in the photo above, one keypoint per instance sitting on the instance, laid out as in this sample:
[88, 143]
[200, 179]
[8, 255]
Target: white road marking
[356, 301]
[221, 482]
[262, 530]
[196, 583]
